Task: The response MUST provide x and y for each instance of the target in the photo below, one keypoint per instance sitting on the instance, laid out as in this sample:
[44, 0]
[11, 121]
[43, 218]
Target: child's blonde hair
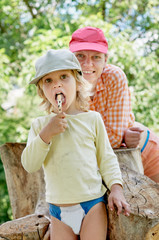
[83, 90]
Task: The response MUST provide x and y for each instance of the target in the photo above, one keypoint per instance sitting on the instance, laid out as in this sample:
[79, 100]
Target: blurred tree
[29, 27]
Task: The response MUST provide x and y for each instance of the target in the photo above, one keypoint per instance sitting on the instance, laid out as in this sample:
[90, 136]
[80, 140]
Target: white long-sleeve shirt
[76, 161]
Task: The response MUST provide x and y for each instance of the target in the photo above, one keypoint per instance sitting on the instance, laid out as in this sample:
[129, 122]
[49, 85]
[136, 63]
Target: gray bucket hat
[55, 60]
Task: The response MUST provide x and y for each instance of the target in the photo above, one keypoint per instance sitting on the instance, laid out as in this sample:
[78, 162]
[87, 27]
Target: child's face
[62, 82]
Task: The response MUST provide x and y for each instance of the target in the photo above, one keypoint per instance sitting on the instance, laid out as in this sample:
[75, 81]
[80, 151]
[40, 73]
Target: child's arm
[116, 198]
[106, 158]
[39, 142]
[110, 170]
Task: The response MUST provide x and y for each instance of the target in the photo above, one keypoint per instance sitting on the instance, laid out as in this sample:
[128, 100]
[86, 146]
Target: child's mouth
[62, 97]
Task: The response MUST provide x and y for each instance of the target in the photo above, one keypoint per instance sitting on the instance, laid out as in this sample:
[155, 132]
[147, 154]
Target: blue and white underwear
[73, 215]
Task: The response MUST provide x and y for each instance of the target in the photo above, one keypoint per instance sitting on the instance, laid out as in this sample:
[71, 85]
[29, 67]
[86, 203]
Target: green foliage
[28, 28]
[5, 210]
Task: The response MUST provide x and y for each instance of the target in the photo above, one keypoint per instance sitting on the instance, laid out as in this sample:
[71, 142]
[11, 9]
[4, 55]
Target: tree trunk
[26, 191]
[143, 196]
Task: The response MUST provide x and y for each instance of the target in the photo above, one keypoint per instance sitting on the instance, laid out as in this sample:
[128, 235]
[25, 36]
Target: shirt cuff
[43, 144]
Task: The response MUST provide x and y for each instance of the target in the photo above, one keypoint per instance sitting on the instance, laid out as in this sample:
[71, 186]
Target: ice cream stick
[59, 103]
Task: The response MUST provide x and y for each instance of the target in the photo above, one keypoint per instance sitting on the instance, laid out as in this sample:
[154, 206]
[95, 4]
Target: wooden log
[143, 196]
[130, 157]
[26, 191]
[33, 227]
[27, 197]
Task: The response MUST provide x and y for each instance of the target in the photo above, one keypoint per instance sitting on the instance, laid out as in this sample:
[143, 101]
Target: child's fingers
[126, 209]
[111, 207]
[110, 203]
[122, 206]
[64, 125]
[119, 208]
[118, 205]
[114, 202]
[61, 115]
[62, 122]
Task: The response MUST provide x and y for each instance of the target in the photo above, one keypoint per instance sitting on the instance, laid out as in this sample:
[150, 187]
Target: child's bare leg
[94, 226]
[60, 231]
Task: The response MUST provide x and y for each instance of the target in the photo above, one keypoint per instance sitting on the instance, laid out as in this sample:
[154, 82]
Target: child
[73, 147]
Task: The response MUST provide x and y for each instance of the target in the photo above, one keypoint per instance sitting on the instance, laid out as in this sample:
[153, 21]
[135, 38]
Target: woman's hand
[132, 136]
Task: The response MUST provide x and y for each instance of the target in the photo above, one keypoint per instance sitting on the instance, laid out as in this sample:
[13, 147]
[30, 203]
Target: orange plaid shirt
[112, 100]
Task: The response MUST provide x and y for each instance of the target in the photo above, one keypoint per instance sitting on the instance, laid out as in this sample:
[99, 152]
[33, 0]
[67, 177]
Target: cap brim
[36, 80]
[75, 47]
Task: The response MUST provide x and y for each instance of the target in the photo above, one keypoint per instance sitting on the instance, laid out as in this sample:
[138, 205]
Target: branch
[2, 29]
[30, 8]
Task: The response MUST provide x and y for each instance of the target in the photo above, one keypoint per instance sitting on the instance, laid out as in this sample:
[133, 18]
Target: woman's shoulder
[113, 70]
[113, 74]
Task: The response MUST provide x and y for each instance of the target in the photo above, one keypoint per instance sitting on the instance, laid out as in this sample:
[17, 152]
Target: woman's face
[92, 64]
[61, 82]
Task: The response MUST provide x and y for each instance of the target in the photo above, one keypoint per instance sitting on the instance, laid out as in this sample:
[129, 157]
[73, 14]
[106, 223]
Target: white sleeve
[35, 152]
[106, 158]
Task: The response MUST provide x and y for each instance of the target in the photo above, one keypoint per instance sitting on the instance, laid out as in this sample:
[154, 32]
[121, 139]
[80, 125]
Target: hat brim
[36, 80]
[75, 47]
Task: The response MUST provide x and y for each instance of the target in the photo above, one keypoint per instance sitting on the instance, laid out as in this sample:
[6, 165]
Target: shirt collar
[100, 85]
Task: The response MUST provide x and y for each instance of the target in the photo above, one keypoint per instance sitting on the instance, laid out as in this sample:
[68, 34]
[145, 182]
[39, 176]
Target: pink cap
[88, 38]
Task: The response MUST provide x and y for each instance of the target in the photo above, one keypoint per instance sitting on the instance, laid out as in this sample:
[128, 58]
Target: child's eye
[64, 76]
[48, 80]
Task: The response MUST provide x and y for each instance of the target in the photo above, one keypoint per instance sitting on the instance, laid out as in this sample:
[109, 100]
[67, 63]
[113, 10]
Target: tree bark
[143, 196]
[130, 157]
[26, 191]
[29, 227]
